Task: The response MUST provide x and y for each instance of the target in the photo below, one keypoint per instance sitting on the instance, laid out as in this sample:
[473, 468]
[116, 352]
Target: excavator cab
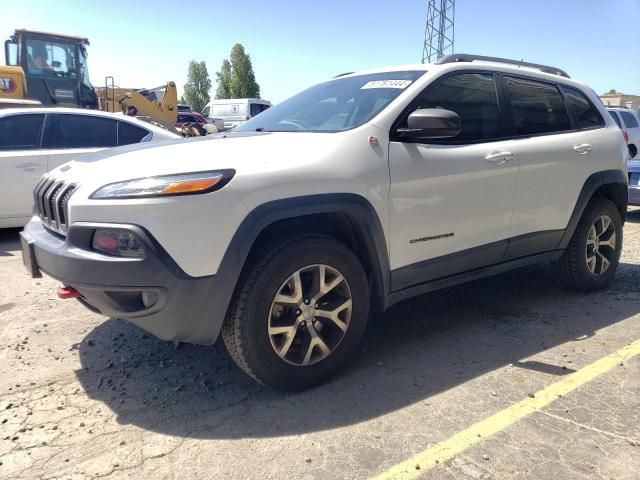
[48, 68]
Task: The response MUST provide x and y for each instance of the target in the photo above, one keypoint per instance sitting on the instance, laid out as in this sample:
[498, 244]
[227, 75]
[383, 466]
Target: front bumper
[152, 292]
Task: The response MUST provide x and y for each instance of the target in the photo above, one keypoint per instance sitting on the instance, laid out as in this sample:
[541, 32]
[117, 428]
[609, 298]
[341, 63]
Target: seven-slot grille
[51, 198]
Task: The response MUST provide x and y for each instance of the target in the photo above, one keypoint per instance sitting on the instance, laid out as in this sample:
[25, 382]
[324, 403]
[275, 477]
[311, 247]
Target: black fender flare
[360, 212]
[591, 185]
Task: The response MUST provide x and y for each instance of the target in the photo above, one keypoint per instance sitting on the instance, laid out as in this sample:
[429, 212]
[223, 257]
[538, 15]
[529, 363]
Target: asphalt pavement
[509, 377]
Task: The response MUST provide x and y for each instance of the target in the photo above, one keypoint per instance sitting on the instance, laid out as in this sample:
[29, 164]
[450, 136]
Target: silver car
[633, 168]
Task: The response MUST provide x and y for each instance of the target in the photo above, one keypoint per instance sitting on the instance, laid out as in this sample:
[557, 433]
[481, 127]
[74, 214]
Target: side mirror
[431, 123]
[56, 64]
[11, 53]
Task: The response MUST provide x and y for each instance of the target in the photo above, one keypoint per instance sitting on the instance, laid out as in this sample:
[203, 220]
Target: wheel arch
[349, 218]
[610, 184]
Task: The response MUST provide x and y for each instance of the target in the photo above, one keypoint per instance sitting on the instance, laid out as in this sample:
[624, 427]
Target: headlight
[166, 185]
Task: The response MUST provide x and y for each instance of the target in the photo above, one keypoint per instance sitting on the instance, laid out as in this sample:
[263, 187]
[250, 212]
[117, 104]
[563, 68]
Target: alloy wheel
[601, 245]
[310, 315]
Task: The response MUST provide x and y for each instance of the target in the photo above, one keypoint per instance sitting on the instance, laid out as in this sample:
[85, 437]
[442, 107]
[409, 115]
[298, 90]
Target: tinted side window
[255, 109]
[615, 117]
[629, 120]
[473, 97]
[128, 133]
[537, 107]
[20, 132]
[81, 131]
[587, 115]
[206, 111]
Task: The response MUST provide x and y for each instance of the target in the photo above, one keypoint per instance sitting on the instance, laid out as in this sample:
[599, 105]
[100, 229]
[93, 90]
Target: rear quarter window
[129, 133]
[584, 111]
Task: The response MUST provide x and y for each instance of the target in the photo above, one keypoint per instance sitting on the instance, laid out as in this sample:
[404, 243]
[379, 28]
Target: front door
[451, 201]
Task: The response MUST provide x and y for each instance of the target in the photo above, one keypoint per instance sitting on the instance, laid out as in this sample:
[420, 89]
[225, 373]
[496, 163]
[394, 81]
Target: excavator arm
[159, 105]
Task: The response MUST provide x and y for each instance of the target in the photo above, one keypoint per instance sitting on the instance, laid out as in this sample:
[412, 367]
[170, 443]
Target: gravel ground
[83, 396]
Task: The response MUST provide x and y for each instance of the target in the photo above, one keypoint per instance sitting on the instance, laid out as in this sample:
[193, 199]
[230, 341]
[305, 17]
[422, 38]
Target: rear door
[69, 136]
[556, 158]
[22, 163]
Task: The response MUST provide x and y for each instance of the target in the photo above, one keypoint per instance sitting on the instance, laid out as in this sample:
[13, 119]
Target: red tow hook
[68, 292]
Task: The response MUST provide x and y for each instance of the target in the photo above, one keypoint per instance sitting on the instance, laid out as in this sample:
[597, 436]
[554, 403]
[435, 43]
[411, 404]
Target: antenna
[439, 31]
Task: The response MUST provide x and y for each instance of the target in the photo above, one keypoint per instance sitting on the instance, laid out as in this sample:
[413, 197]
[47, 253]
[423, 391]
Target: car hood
[247, 153]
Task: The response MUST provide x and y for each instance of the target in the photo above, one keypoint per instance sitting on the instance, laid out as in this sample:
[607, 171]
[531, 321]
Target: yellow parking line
[452, 446]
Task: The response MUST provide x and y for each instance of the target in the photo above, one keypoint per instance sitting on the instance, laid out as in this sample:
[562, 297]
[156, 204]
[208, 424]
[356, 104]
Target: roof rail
[343, 74]
[463, 57]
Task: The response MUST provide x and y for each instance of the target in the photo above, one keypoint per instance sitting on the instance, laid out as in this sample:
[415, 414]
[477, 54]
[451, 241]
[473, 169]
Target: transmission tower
[438, 33]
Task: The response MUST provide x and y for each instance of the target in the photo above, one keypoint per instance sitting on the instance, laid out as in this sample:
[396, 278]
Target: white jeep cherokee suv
[286, 234]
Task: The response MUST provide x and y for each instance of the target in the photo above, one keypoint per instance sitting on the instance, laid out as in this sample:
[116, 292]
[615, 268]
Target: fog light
[120, 243]
[149, 298]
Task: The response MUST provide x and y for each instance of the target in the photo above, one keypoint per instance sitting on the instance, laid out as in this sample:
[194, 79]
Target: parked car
[198, 120]
[235, 111]
[184, 108]
[633, 168]
[36, 140]
[362, 191]
[628, 121]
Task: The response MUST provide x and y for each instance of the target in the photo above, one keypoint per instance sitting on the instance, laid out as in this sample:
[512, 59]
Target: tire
[576, 268]
[267, 301]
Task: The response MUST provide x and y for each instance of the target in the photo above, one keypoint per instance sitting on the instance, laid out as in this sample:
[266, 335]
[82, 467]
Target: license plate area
[29, 257]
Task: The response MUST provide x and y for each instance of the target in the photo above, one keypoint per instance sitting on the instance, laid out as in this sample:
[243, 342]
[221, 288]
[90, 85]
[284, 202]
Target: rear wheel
[299, 313]
[592, 257]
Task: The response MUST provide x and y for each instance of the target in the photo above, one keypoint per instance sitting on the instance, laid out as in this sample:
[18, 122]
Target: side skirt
[468, 276]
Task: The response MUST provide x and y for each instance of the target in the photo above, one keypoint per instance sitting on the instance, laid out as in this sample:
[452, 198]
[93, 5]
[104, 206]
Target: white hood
[246, 153]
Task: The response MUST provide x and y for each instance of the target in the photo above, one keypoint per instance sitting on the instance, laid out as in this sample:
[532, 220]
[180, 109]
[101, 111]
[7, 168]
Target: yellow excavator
[51, 69]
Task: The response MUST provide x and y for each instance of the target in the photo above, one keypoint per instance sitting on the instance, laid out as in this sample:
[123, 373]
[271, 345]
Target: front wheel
[592, 257]
[299, 313]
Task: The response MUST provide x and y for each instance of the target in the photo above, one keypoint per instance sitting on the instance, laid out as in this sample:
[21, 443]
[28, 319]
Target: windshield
[49, 58]
[337, 105]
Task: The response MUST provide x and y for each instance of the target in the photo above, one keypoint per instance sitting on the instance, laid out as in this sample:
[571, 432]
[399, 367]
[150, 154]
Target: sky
[295, 44]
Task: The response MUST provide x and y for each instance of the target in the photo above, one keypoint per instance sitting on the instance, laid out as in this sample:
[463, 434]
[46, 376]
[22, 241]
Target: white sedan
[36, 140]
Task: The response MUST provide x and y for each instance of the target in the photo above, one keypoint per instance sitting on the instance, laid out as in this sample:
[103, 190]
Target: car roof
[83, 111]
[432, 68]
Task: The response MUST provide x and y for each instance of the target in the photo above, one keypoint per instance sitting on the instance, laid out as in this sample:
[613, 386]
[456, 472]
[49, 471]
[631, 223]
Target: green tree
[236, 78]
[224, 80]
[196, 90]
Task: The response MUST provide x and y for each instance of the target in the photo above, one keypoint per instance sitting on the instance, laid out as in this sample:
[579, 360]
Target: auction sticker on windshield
[401, 84]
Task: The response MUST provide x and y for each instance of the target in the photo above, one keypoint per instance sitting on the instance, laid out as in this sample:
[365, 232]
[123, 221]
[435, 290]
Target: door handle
[499, 158]
[583, 148]
[28, 167]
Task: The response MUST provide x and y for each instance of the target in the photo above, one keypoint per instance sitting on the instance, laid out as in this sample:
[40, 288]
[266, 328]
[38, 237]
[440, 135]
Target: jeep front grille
[51, 199]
